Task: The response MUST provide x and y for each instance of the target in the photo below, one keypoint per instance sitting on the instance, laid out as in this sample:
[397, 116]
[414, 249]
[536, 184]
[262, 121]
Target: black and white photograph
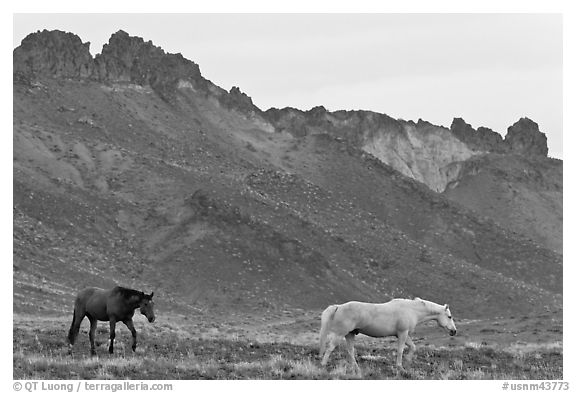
[287, 196]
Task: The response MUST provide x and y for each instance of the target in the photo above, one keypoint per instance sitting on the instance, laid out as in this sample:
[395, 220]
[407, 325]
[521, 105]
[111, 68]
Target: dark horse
[115, 305]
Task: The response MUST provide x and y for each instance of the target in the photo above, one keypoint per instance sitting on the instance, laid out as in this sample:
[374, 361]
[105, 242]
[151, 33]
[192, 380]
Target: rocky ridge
[428, 153]
[124, 59]
[482, 139]
[523, 138]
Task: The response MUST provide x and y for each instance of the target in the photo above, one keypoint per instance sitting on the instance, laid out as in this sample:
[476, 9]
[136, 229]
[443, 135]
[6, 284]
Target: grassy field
[168, 352]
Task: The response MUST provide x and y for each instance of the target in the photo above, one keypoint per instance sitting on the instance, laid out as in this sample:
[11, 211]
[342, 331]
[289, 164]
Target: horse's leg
[402, 336]
[411, 348]
[350, 347]
[130, 325]
[330, 345]
[93, 324]
[112, 334]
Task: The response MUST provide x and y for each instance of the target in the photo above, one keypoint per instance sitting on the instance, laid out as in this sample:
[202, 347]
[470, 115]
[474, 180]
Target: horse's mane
[127, 293]
[430, 305]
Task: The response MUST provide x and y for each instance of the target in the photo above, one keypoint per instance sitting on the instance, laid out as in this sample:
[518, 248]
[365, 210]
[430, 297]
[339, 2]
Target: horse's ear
[446, 306]
[152, 294]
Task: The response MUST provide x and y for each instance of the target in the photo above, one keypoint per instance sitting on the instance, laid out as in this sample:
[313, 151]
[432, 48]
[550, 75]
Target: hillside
[131, 168]
[521, 194]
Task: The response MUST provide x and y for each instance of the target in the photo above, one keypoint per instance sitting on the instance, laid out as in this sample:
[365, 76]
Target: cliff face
[422, 151]
[430, 154]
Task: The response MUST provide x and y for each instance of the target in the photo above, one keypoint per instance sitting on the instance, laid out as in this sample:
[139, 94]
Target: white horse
[397, 318]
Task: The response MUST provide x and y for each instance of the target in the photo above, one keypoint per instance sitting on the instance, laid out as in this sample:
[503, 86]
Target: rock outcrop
[53, 53]
[238, 100]
[482, 139]
[525, 138]
[124, 59]
[131, 59]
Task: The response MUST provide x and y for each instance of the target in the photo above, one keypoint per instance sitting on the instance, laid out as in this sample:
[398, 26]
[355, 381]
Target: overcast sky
[490, 69]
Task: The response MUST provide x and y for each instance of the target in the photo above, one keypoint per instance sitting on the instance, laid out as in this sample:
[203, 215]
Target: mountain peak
[120, 33]
[524, 137]
[53, 53]
[129, 58]
[124, 58]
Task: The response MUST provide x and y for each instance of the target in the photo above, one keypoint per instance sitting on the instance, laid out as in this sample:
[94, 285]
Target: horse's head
[445, 320]
[147, 307]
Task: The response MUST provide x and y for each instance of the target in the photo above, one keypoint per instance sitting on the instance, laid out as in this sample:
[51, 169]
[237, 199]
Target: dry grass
[165, 354]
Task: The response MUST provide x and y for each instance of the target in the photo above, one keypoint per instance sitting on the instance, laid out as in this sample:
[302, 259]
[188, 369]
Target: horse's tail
[72, 333]
[327, 317]
[75, 326]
